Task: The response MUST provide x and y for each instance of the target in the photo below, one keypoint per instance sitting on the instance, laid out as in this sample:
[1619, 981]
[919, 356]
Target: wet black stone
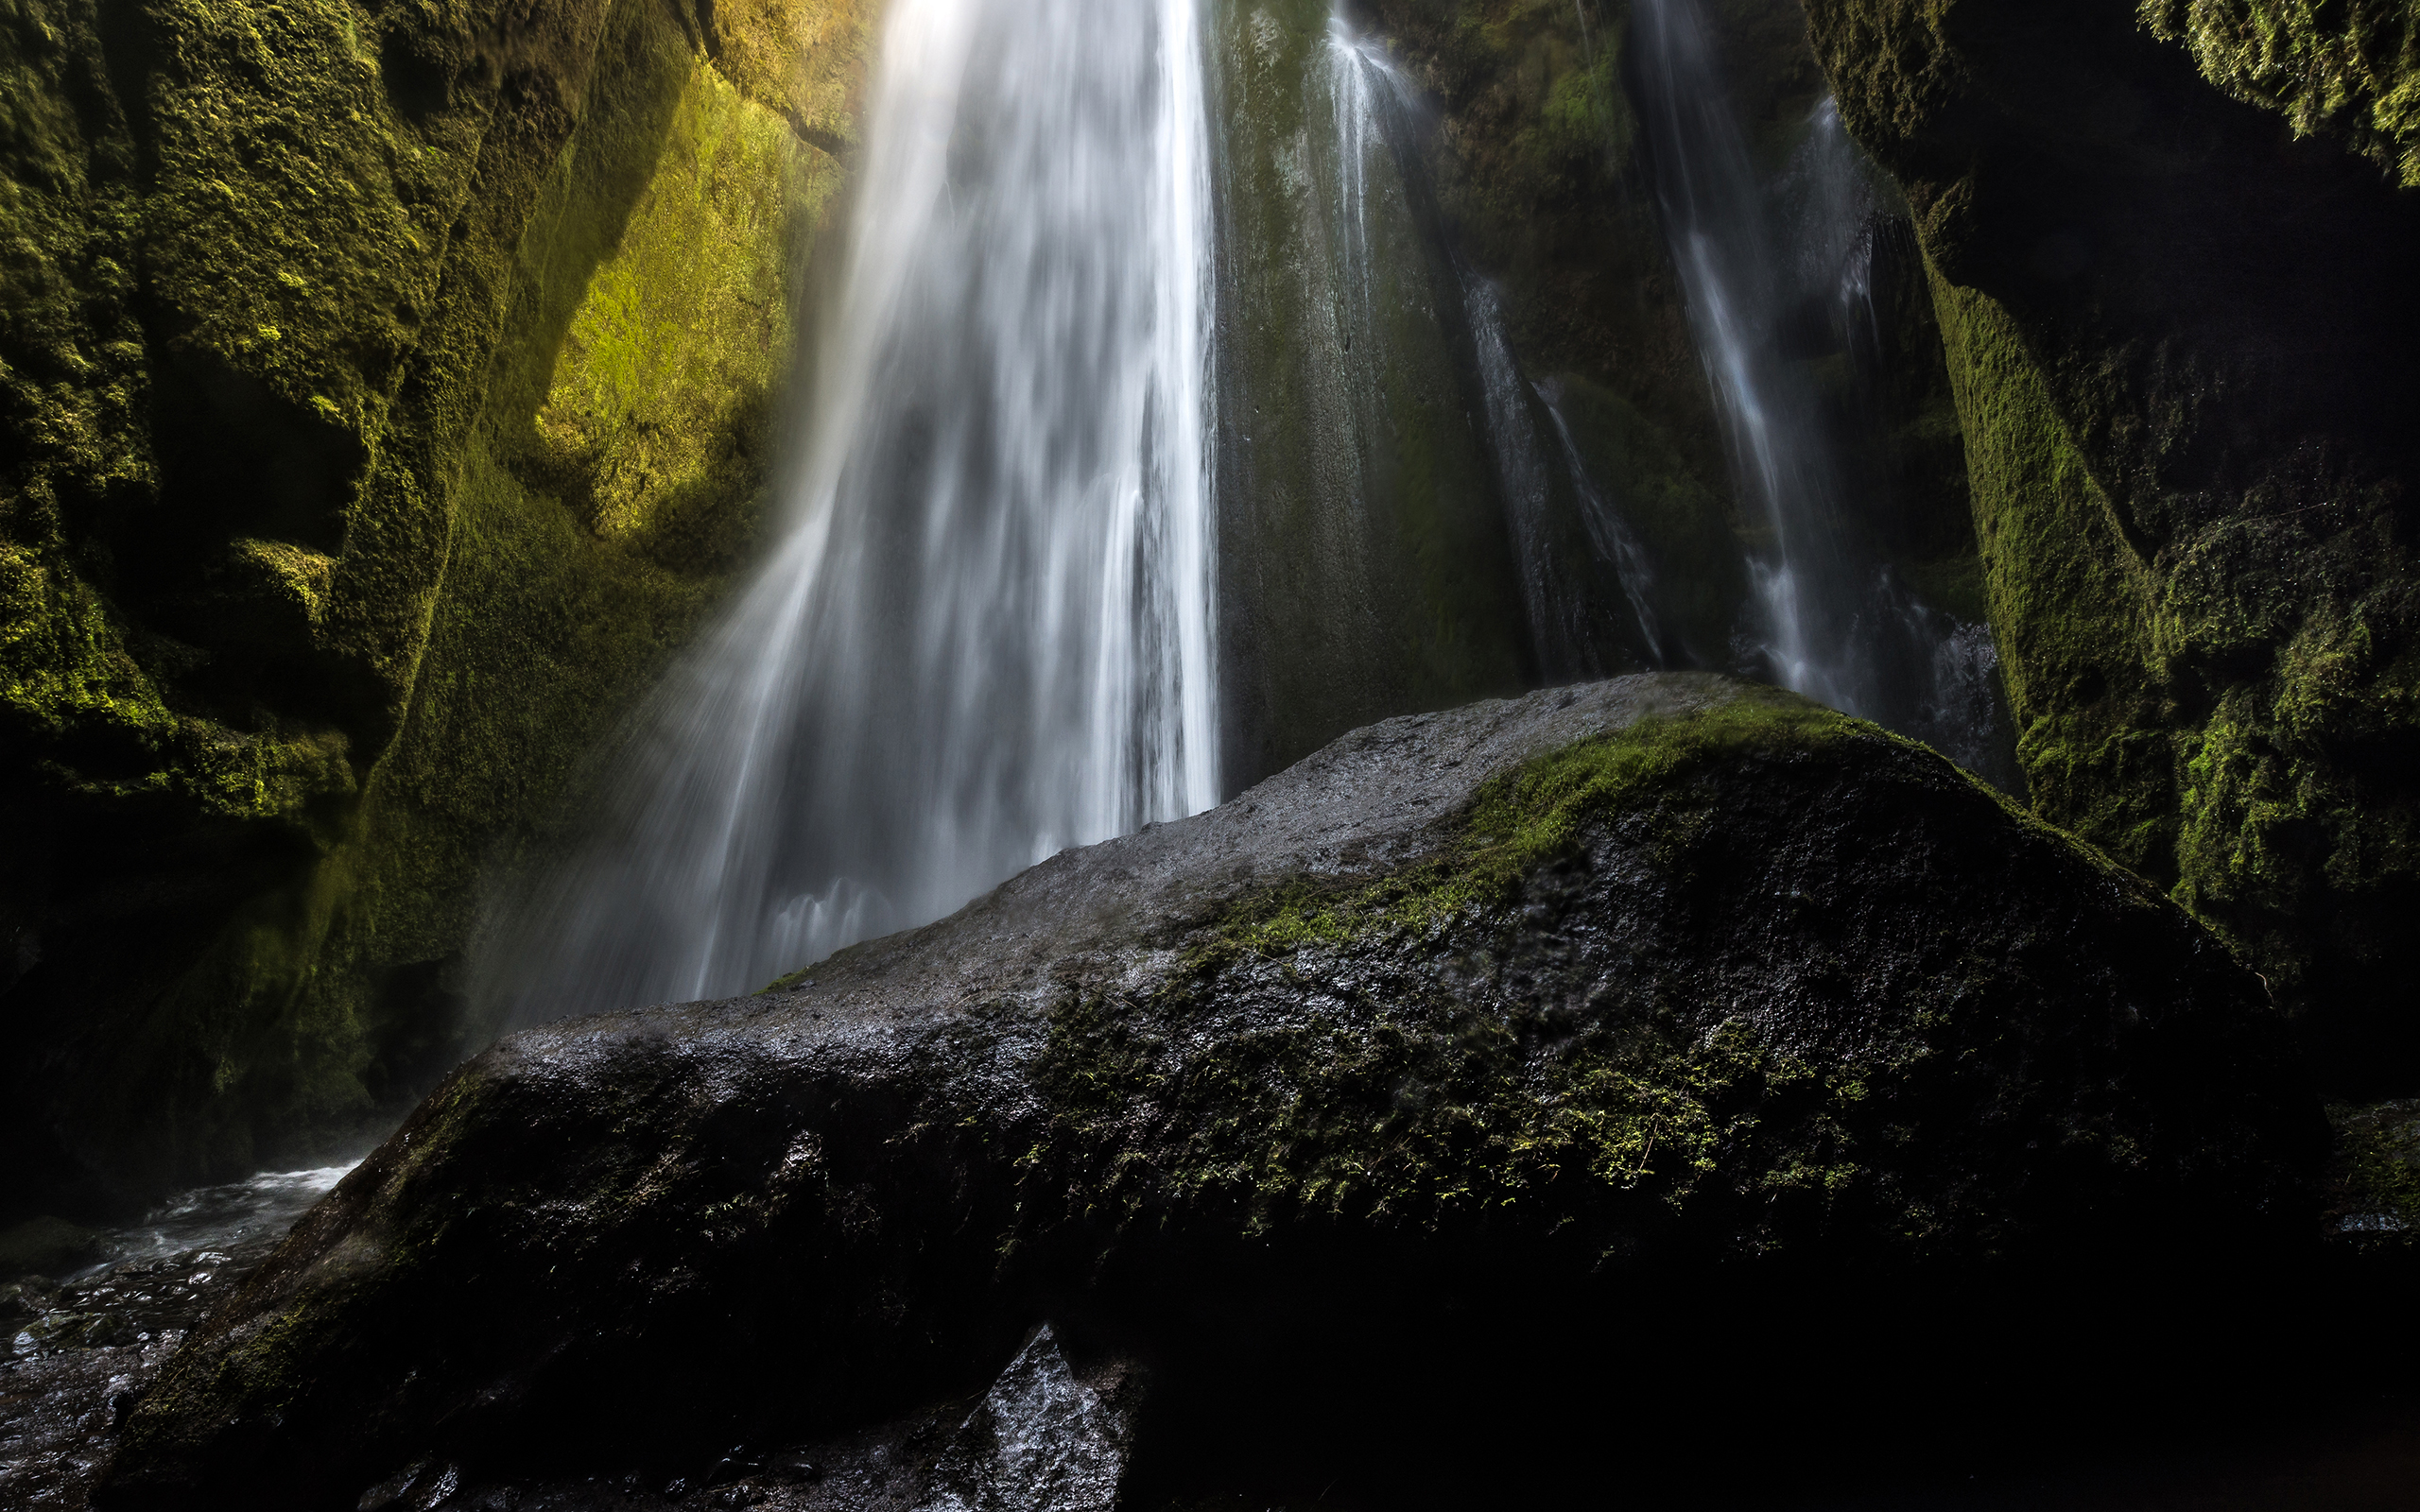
[1301, 1175]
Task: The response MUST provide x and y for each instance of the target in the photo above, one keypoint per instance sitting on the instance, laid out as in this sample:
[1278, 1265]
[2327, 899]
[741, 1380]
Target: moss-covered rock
[387, 387]
[2184, 344]
[1496, 1020]
[2350, 71]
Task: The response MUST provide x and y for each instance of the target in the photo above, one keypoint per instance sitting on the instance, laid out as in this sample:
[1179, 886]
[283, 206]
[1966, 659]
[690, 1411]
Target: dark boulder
[1502, 1033]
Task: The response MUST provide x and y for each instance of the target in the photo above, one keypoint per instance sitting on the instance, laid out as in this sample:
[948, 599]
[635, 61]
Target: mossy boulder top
[1525, 1010]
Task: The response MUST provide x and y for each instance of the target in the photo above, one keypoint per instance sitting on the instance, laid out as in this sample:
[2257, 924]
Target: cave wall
[1542, 187]
[1546, 188]
[1364, 569]
[385, 389]
[2184, 327]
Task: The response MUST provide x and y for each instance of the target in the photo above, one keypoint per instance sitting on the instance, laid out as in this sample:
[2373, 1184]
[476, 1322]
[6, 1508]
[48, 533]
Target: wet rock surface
[1049, 1432]
[1490, 1077]
[80, 1352]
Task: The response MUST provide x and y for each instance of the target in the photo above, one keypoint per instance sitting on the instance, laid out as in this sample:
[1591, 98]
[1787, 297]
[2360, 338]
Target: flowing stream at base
[985, 632]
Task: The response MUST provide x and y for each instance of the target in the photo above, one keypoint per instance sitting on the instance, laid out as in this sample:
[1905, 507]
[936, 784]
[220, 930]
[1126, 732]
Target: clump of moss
[1523, 820]
[2069, 600]
[2346, 70]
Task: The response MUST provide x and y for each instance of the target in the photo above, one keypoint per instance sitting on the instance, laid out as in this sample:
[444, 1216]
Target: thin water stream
[1830, 618]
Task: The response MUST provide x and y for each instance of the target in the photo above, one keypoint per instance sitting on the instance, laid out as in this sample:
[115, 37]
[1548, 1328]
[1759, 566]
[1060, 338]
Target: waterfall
[1581, 572]
[985, 629]
[1806, 590]
[1767, 275]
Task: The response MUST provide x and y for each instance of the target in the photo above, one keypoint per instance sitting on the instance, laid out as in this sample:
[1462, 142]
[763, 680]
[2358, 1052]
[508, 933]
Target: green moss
[2199, 581]
[2071, 603]
[2346, 70]
[1523, 820]
[614, 478]
[2377, 1170]
[1425, 1114]
[451, 406]
[1409, 1106]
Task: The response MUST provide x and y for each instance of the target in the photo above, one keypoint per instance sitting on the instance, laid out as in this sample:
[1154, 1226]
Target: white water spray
[986, 629]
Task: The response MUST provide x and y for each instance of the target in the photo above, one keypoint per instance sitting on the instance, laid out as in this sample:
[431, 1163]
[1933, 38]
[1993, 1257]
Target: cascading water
[985, 632]
[1581, 572]
[1830, 620]
[1808, 593]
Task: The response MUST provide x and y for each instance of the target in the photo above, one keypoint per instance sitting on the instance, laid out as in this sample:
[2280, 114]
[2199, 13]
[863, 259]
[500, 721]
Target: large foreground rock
[1625, 1002]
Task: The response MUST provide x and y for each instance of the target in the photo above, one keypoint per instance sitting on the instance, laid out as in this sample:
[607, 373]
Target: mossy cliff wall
[385, 387]
[1545, 186]
[1364, 567]
[1541, 187]
[2185, 331]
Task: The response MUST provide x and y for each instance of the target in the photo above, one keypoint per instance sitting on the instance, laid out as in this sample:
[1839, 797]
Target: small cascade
[1610, 536]
[1576, 628]
[1808, 594]
[1583, 576]
[985, 630]
[1776, 277]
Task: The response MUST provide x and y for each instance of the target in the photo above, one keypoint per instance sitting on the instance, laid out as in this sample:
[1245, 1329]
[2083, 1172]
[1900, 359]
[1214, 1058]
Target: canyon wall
[387, 387]
[2172, 251]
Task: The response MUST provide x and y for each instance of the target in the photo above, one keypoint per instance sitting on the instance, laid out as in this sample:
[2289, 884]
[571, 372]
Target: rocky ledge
[1515, 1061]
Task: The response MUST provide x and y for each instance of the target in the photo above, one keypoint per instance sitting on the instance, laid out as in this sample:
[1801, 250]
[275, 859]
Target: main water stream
[985, 629]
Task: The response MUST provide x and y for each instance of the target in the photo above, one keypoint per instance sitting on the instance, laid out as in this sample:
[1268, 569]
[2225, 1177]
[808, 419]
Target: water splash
[985, 632]
[234, 1215]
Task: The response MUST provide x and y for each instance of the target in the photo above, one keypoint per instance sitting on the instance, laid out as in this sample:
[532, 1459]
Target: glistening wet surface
[83, 1346]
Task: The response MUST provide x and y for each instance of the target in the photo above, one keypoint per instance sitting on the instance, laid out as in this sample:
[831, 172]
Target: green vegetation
[2069, 601]
[1397, 1089]
[2349, 70]
[2185, 456]
[446, 406]
[2376, 1171]
[1526, 819]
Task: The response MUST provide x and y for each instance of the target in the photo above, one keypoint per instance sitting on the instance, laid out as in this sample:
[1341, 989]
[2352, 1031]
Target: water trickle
[1581, 572]
[1610, 536]
[985, 631]
[1772, 278]
[1714, 215]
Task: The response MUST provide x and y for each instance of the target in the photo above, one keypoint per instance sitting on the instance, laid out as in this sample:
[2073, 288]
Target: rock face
[1499, 1021]
[1453, 343]
[2186, 340]
[384, 389]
